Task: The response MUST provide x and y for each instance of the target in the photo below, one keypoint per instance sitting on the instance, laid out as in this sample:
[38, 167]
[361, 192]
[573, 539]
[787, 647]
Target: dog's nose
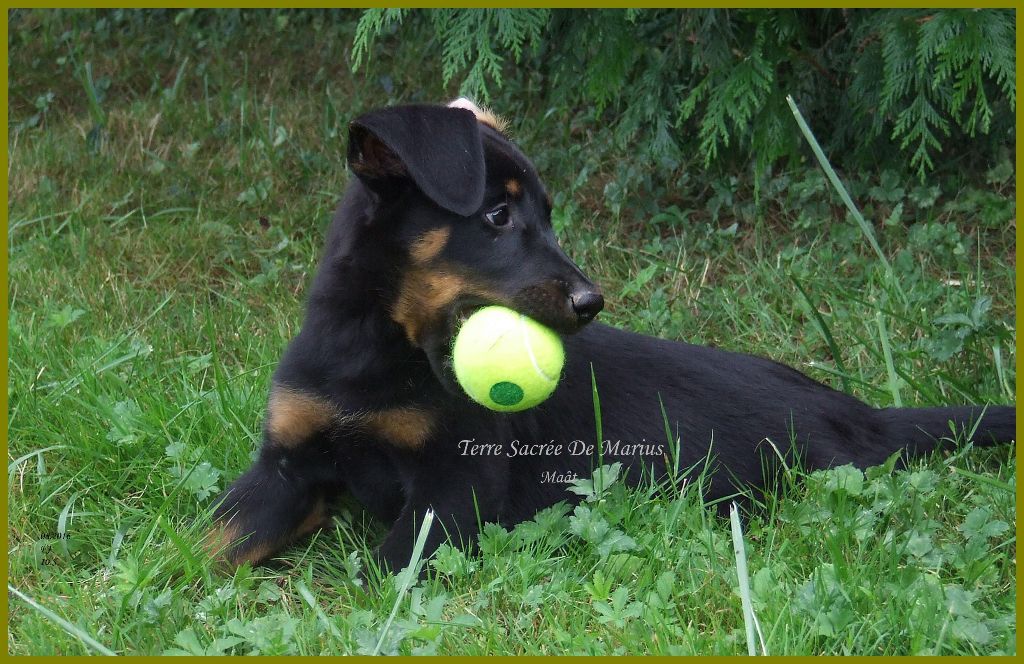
[587, 305]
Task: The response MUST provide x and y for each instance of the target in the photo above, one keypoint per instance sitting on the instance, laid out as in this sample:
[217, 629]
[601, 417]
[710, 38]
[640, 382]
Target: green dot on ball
[506, 393]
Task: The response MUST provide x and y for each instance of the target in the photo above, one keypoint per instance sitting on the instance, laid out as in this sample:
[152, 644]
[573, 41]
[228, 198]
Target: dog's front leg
[275, 502]
[462, 500]
[284, 495]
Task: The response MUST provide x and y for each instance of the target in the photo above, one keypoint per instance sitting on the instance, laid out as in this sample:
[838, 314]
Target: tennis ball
[506, 361]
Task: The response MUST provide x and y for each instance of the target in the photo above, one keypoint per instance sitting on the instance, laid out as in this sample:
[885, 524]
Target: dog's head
[472, 221]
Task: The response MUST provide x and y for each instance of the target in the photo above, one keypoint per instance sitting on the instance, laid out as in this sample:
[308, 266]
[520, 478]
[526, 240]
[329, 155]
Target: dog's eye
[498, 216]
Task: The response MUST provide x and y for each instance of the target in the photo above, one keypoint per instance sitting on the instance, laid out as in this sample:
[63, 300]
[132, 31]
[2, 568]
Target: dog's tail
[921, 430]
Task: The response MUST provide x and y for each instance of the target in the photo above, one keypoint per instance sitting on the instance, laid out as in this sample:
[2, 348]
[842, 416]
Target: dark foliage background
[881, 85]
[925, 93]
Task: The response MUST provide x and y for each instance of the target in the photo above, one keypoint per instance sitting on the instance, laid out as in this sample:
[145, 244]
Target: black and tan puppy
[444, 215]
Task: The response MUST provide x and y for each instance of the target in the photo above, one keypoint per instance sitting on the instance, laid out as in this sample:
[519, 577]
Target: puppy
[446, 215]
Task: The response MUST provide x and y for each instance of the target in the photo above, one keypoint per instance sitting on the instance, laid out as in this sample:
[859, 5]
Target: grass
[166, 213]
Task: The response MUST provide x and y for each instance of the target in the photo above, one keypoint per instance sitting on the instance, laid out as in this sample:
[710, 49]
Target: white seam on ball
[529, 348]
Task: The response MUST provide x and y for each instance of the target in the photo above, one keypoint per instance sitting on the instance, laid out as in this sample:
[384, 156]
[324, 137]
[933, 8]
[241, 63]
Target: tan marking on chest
[406, 427]
[293, 417]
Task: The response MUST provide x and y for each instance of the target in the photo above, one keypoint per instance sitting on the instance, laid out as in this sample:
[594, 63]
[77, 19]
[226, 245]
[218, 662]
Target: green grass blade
[825, 332]
[172, 92]
[673, 442]
[997, 359]
[996, 484]
[753, 628]
[869, 235]
[324, 620]
[597, 418]
[99, 118]
[68, 627]
[13, 466]
[407, 577]
[893, 381]
[192, 563]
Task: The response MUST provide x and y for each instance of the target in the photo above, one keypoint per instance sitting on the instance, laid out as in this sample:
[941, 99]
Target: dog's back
[735, 414]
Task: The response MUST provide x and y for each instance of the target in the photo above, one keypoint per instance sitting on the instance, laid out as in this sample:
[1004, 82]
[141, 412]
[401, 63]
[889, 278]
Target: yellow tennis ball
[506, 361]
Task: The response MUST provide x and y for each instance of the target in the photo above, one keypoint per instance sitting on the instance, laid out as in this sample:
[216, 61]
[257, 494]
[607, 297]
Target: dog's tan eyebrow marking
[293, 416]
[406, 427]
[513, 187]
[429, 245]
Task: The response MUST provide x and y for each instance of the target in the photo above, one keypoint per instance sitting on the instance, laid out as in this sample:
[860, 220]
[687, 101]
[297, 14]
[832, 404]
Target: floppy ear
[438, 148]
